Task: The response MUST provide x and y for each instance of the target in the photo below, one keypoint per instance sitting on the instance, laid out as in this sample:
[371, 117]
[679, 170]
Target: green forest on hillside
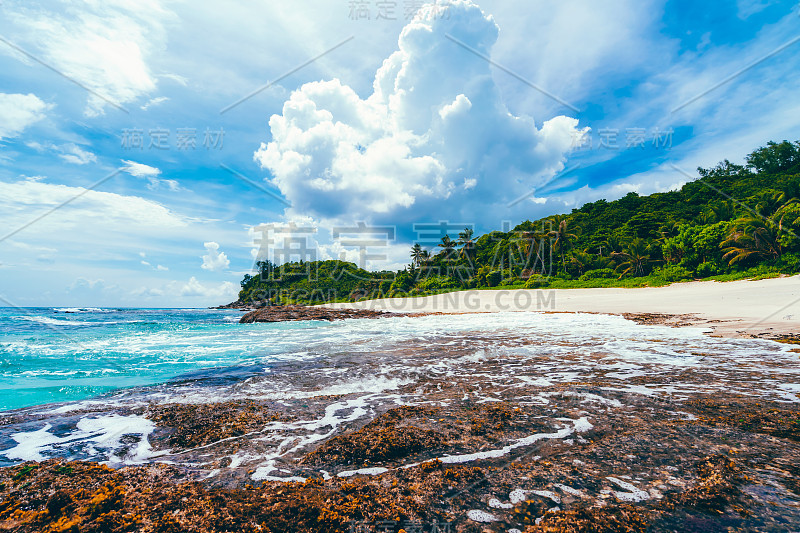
[733, 222]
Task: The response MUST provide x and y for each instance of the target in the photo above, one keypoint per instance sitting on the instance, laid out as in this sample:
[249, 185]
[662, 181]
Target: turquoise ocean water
[63, 354]
[58, 355]
[101, 369]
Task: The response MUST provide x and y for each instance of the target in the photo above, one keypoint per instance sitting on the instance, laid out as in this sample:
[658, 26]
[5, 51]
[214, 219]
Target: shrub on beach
[436, 283]
[672, 273]
[494, 278]
[707, 269]
[601, 273]
[536, 282]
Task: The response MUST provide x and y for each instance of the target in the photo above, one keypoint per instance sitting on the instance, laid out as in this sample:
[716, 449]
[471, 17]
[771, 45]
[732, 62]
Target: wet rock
[389, 437]
[771, 418]
[238, 304]
[87, 497]
[716, 487]
[619, 519]
[710, 446]
[288, 313]
[190, 426]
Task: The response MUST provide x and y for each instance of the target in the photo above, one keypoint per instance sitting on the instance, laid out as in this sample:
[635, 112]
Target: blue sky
[125, 111]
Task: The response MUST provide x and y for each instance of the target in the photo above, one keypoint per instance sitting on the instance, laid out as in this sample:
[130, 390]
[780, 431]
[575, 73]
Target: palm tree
[753, 237]
[669, 229]
[601, 261]
[723, 210]
[581, 261]
[790, 216]
[790, 192]
[614, 245]
[635, 259]
[525, 241]
[532, 245]
[673, 250]
[706, 217]
[425, 258]
[416, 255]
[561, 236]
[424, 263]
[769, 203]
[467, 244]
[528, 241]
[447, 245]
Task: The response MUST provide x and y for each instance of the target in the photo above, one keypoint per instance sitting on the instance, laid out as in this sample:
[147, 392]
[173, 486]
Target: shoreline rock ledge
[288, 313]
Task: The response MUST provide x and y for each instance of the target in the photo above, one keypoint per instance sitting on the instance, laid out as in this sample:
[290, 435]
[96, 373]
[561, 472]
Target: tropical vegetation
[733, 222]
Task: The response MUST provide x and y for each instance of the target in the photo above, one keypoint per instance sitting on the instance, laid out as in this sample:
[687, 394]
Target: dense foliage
[733, 222]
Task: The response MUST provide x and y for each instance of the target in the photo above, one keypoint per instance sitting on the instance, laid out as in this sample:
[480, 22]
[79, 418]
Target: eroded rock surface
[586, 424]
[289, 313]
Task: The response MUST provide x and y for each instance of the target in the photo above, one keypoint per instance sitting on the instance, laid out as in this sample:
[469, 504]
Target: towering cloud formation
[434, 140]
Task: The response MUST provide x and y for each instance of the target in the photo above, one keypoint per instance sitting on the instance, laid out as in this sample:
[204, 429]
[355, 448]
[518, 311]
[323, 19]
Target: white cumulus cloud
[434, 136]
[225, 290]
[18, 111]
[151, 174]
[214, 260]
[72, 153]
[140, 170]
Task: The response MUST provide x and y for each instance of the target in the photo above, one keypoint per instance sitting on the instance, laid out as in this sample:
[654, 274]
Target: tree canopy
[734, 221]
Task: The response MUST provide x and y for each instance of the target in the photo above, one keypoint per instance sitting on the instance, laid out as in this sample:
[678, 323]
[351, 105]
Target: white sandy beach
[736, 308]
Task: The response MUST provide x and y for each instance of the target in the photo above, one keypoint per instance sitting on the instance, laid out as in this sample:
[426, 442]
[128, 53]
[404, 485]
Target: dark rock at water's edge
[245, 306]
[287, 313]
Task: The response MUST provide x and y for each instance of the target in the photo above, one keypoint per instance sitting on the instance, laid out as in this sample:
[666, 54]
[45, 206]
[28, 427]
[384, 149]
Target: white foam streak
[97, 437]
[374, 471]
[579, 426]
[634, 493]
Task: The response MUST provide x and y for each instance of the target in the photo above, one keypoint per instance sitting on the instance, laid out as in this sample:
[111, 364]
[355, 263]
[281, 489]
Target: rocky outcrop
[246, 306]
[288, 313]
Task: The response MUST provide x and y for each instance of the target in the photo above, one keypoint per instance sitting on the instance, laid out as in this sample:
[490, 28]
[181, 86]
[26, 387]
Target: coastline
[463, 423]
[768, 308]
[534, 422]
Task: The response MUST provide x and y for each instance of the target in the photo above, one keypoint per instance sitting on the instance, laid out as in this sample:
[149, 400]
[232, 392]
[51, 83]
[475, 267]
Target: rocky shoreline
[718, 328]
[292, 313]
[708, 464]
[474, 432]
